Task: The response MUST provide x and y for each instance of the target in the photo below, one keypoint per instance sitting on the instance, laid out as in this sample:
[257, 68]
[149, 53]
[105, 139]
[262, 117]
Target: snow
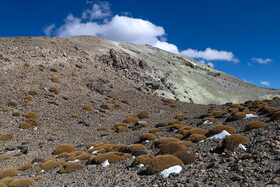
[77, 160]
[221, 135]
[133, 157]
[251, 116]
[147, 141]
[42, 171]
[207, 122]
[35, 128]
[174, 169]
[91, 147]
[242, 147]
[95, 152]
[201, 141]
[140, 165]
[104, 164]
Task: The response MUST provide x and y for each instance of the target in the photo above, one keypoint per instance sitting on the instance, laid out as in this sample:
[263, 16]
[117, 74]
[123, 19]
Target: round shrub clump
[197, 137]
[131, 119]
[162, 162]
[142, 159]
[181, 117]
[162, 141]
[134, 147]
[275, 116]
[126, 101]
[267, 110]
[174, 106]
[32, 92]
[25, 125]
[22, 182]
[196, 131]
[25, 166]
[213, 120]
[64, 148]
[147, 136]
[236, 116]
[220, 128]
[232, 141]
[70, 167]
[6, 137]
[9, 172]
[185, 157]
[55, 80]
[155, 130]
[171, 148]
[5, 110]
[254, 125]
[54, 90]
[47, 165]
[53, 70]
[168, 101]
[117, 106]
[218, 113]
[30, 115]
[103, 128]
[28, 98]
[112, 157]
[7, 180]
[76, 115]
[88, 107]
[173, 122]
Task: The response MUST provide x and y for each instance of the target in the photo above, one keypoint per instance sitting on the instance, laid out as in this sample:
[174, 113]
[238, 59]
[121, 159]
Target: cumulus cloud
[49, 29]
[266, 83]
[98, 11]
[261, 60]
[99, 21]
[210, 54]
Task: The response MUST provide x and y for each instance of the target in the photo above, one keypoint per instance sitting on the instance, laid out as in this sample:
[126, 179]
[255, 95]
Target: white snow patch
[140, 165]
[201, 141]
[133, 157]
[251, 116]
[174, 169]
[147, 141]
[42, 171]
[104, 164]
[242, 147]
[221, 135]
[35, 128]
[95, 152]
[91, 147]
[77, 160]
[207, 122]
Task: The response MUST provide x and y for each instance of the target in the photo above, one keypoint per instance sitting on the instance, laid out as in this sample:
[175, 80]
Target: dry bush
[55, 133]
[47, 165]
[88, 107]
[28, 98]
[6, 137]
[4, 157]
[142, 159]
[106, 106]
[37, 178]
[171, 148]
[254, 125]
[120, 129]
[185, 128]
[168, 101]
[126, 101]
[155, 130]
[236, 116]
[174, 106]
[179, 136]
[9, 172]
[32, 122]
[53, 70]
[70, 167]
[131, 119]
[218, 113]
[162, 162]
[26, 166]
[112, 157]
[187, 143]
[32, 92]
[196, 131]
[267, 110]
[147, 136]
[185, 157]
[232, 141]
[30, 115]
[102, 128]
[18, 154]
[25, 182]
[220, 128]
[25, 125]
[26, 65]
[75, 115]
[197, 137]
[144, 114]
[64, 148]
[54, 90]
[24, 104]
[162, 141]
[175, 126]
[55, 80]
[83, 156]
[213, 120]
[181, 117]
[117, 106]
[7, 180]
[5, 110]
[232, 109]
[275, 116]
[135, 147]
[113, 97]
[175, 121]
[275, 98]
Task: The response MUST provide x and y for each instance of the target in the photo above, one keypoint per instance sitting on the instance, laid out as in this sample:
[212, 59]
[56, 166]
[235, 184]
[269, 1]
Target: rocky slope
[101, 98]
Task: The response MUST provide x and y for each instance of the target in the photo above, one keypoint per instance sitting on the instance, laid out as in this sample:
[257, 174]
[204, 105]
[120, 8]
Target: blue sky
[238, 37]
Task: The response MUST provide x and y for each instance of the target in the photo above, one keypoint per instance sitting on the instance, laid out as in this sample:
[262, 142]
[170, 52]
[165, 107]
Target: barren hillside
[69, 106]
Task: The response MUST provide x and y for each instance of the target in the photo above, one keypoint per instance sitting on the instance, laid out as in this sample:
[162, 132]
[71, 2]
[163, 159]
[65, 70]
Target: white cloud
[127, 29]
[261, 60]
[99, 11]
[266, 83]
[48, 30]
[210, 54]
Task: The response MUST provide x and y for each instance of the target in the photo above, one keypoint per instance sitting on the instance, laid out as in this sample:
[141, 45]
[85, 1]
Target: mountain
[69, 106]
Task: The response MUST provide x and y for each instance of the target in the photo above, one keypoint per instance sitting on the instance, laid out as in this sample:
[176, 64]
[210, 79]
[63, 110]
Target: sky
[241, 38]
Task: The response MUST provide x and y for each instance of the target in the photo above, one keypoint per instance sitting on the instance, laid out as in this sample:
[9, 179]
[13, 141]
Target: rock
[100, 86]
[235, 177]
